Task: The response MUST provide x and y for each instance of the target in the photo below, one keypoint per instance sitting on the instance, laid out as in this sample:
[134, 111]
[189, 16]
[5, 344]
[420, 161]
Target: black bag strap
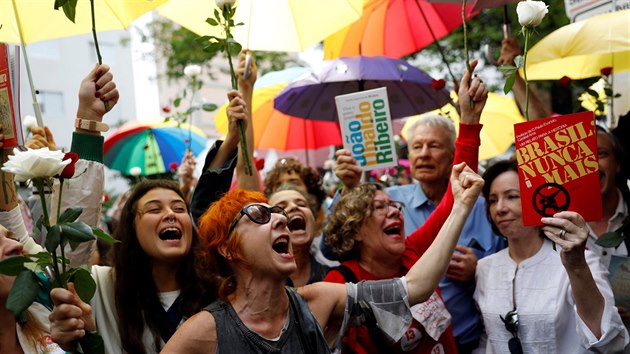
[347, 273]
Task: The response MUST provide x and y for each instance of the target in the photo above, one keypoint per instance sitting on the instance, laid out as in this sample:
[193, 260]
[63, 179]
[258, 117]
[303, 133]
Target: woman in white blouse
[537, 297]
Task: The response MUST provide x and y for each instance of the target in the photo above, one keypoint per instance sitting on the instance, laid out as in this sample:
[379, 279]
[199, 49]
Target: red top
[358, 339]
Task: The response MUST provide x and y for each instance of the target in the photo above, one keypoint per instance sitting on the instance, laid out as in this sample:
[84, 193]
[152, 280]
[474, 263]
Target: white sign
[366, 128]
[578, 10]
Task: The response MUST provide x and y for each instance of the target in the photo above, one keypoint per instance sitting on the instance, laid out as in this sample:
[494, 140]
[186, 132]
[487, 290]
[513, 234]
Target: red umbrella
[395, 28]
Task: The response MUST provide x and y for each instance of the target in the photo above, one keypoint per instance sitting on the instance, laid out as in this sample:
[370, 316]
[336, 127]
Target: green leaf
[13, 265]
[77, 232]
[591, 92]
[216, 15]
[519, 61]
[212, 47]
[70, 215]
[83, 283]
[60, 3]
[38, 226]
[104, 236]
[209, 107]
[212, 22]
[43, 259]
[609, 239]
[92, 343]
[203, 39]
[23, 292]
[507, 69]
[70, 9]
[608, 91]
[53, 238]
[509, 82]
[177, 102]
[234, 47]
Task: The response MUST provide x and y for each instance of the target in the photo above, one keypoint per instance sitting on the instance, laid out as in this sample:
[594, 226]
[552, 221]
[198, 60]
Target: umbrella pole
[36, 108]
[437, 44]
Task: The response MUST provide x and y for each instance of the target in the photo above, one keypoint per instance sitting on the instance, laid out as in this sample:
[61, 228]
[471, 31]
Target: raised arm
[466, 150]
[246, 87]
[588, 298]
[537, 109]
[425, 274]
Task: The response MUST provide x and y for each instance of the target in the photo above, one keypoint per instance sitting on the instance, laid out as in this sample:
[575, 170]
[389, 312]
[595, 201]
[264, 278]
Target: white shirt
[548, 318]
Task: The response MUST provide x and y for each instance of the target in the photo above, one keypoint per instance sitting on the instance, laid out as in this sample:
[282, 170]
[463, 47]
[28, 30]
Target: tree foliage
[179, 48]
[487, 28]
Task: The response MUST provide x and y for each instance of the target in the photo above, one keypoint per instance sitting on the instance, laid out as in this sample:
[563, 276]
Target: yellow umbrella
[581, 49]
[273, 25]
[498, 119]
[40, 21]
[28, 21]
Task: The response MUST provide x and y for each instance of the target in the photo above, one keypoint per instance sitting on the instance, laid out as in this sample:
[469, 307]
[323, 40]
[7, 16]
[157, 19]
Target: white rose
[36, 163]
[135, 171]
[221, 3]
[192, 70]
[29, 122]
[530, 13]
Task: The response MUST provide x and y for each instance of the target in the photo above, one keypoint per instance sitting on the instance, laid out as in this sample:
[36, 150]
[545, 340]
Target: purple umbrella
[409, 89]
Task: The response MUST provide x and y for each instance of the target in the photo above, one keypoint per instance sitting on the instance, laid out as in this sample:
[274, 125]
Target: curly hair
[309, 176]
[349, 214]
[135, 291]
[216, 248]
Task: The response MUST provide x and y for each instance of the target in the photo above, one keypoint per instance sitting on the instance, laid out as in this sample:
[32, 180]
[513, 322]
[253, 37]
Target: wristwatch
[91, 125]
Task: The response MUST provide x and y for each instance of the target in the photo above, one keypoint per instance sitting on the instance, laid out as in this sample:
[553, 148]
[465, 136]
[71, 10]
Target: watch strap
[91, 125]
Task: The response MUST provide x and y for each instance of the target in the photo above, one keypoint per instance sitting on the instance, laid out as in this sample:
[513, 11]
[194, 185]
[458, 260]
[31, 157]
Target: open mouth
[297, 222]
[170, 233]
[281, 245]
[393, 230]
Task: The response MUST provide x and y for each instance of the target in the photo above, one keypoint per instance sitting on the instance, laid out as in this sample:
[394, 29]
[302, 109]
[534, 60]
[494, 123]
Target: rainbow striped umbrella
[154, 146]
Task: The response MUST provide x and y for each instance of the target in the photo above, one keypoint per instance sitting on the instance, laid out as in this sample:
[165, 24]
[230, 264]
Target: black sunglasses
[511, 324]
[258, 213]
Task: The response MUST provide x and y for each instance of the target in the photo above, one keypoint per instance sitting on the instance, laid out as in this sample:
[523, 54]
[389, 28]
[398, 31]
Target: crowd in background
[408, 259]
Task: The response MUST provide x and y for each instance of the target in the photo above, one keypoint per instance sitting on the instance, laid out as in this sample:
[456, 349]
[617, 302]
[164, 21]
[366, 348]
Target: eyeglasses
[511, 324]
[384, 206]
[258, 213]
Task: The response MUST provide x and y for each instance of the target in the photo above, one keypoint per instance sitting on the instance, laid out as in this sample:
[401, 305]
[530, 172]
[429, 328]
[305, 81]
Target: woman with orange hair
[246, 243]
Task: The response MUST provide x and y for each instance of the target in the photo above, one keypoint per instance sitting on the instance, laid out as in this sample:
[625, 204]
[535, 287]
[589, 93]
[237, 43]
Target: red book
[558, 167]
[11, 123]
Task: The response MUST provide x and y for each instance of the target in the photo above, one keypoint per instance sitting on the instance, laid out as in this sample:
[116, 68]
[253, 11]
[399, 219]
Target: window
[51, 103]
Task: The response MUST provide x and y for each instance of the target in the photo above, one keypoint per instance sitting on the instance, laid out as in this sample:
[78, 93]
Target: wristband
[91, 125]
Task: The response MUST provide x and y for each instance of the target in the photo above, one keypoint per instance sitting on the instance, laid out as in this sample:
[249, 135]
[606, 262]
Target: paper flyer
[366, 128]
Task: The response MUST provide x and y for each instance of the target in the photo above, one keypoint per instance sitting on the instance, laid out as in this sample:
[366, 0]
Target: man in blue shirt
[431, 150]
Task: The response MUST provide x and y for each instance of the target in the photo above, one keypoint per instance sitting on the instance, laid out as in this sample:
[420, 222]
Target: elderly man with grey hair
[431, 143]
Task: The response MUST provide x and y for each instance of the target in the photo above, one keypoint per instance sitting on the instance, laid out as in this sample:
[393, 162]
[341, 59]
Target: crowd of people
[231, 262]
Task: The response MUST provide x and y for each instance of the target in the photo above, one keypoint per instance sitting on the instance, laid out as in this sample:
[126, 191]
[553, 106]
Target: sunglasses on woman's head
[258, 213]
